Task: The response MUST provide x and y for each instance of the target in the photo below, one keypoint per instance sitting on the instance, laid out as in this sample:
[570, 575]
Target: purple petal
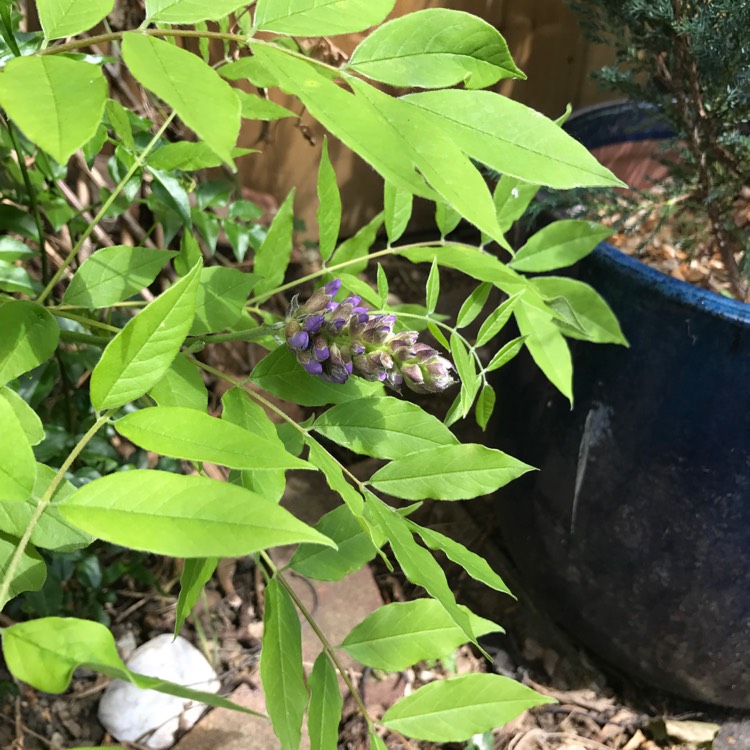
[332, 287]
[313, 367]
[357, 348]
[299, 341]
[353, 300]
[321, 353]
[313, 323]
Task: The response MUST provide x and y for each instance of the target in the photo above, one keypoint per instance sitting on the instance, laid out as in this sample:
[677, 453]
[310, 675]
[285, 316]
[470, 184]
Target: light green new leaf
[222, 293]
[450, 472]
[475, 565]
[473, 305]
[61, 18]
[383, 427]
[57, 102]
[17, 464]
[281, 374]
[255, 107]
[187, 84]
[138, 357]
[320, 17]
[559, 244]
[397, 204]
[547, 346]
[181, 385]
[182, 516]
[27, 417]
[435, 48]
[196, 436]
[325, 564]
[495, 321]
[273, 256]
[281, 666]
[30, 573]
[184, 155]
[45, 652]
[113, 274]
[190, 11]
[485, 405]
[329, 205]
[418, 565]
[52, 531]
[455, 709]
[506, 353]
[324, 713]
[354, 250]
[334, 475]
[196, 573]
[398, 635]
[512, 139]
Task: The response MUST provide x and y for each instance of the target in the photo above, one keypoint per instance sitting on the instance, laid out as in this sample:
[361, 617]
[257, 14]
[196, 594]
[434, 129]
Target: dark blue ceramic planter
[636, 531]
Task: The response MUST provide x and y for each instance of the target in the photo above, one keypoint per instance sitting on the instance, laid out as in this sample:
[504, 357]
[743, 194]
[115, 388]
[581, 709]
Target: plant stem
[44, 501]
[320, 635]
[252, 334]
[140, 159]
[83, 338]
[86, 321]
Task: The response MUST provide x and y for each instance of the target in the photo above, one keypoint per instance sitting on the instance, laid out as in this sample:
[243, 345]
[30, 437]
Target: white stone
[129, 713]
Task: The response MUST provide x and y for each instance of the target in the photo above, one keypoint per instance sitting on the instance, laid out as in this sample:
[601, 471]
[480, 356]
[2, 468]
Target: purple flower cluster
[333, 340]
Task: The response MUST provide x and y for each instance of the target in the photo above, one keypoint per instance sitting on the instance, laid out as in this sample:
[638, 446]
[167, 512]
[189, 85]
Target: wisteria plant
[122, 328]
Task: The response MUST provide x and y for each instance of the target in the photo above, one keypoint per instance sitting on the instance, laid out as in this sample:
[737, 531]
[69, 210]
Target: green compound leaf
[182, 516]
[281, 666]
[140, 354]
[329, 208]
[324, 713]
[588, 306]
[222, 293]
[190, 11]
[397, 204]
[281, 374]
[57, 102]
[192, 435]
[325, 564]
[272, 258]
[196, 574]
[44, 653]
[383, 427]
[435, 48]
[398, 635]
[61, 18]
[455, 709]
[17, 464]
[27, 417]
[29, 337]
[320, 17]
[559, 244]
[451, 472]
[186, 83]
[30, 573]
[513, 139]
[181, 385]
[113, 274]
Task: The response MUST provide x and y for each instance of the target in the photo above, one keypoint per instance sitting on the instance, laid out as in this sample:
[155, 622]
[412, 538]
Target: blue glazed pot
[636, 531]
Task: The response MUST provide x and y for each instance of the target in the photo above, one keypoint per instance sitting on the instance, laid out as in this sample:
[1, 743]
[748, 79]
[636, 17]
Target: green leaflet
[17, 465]
[450, 472]
[455, 709]
[182, 516]
[274, 254]
[137, 357]
[30, 573]
[222, 293]
[181, 385]
[281, 374]
[435, 48]
[29, 337]
[192, 435]
[512, 197]
[383, 427]
[485, 405]
[44, 653]
[184, 155]
[320, 17]
[57, 102]
[60, 18]
[334, 475]
[504, 355]
[559, 244]
[255, 107]
[324, 712]
[473, 305]
[512, 139]
[432, 287]
[113, 274]
[186, 83]
[196, 573]
[354, 548]
[398, 635]
[397, 204]
[240, 409]
[281, 666]
[494, 322]
[467, 373]
[329, 208]
[27, 417]
[354, 250]
[190, 11]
